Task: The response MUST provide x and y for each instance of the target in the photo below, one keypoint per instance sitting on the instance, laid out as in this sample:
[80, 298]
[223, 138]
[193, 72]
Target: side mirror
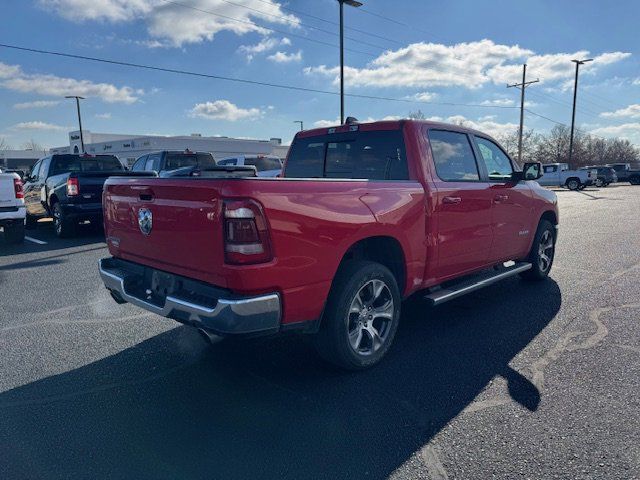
[532, 171]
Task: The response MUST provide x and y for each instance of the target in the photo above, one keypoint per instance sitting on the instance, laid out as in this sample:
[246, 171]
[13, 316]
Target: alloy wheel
[545, 251]
[370, 317]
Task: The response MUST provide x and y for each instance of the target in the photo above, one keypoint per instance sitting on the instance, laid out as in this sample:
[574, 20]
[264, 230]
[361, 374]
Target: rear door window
[453, 156]
[372, 155]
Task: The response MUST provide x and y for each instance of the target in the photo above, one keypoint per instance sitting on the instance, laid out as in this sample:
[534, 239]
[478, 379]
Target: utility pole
[352, 3]
[79, 118]
[522, 87]
[573, 114]
[301, 124]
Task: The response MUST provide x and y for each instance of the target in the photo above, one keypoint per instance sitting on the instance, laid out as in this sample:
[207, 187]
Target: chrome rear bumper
[209, 309]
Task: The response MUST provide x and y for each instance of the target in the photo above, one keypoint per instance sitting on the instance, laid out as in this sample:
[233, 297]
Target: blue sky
[430, 53]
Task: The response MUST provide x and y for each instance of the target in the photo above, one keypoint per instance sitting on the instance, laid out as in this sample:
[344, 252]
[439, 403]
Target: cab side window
[549, 168]
[33, 176]
[453, 156]
[139, 165]
[153, 163]
[497, 162]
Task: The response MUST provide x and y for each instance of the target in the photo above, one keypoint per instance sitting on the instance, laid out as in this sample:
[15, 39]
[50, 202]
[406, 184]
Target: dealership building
[129, 147]
[19, 159]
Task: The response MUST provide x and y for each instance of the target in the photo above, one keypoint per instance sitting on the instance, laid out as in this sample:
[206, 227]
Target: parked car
[622, 170]
[559, 175]
[266, 165]
[605, 175]
[12, 211]
[69, 189]
[365, 216]
[165, 162]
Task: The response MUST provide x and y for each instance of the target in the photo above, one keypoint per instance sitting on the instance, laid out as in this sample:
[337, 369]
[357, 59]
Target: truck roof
[387, 125]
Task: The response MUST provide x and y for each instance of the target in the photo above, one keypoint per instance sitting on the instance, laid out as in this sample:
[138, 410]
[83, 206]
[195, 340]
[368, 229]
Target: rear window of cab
[371, 155]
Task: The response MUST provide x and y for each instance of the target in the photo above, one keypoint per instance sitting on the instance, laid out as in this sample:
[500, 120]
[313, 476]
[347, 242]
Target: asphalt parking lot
[514, 381]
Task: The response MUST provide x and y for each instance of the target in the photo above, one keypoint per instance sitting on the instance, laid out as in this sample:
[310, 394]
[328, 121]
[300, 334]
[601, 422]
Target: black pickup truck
[69, 189]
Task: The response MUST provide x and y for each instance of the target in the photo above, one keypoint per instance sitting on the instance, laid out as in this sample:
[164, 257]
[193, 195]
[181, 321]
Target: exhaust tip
[210, 338]
[117, 298]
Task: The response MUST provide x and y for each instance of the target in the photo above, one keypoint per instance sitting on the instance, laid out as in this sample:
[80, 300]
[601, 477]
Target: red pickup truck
[364, 216]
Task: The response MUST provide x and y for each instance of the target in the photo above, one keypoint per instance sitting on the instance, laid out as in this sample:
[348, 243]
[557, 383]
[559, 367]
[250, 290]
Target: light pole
[575, 93]
[301, 124]
[351, 3]
[78, 98]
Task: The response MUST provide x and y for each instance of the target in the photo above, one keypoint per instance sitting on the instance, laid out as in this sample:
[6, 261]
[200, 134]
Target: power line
[242, 80]
[274, 30]
[565, 125]
[262, 12]
[305, 14]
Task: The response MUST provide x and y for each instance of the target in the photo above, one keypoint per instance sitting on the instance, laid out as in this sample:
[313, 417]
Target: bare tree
[417, 115]
[4, 145]
[33, 145]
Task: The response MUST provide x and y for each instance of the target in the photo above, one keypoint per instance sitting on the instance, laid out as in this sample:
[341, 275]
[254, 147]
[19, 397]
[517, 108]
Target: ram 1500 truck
[69, 189]
[364, 216]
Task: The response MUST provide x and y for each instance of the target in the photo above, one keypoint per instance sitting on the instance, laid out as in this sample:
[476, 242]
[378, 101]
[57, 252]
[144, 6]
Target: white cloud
[429, 64]
[422, 96]
[499, 102]
[282, 57]
[336, 122]
[37, 125]
[264, 45]
[224, 110]
[105, 115]
[636, 81]
[36, 104]
[470, 65]
[13, 78]
[198, 21]
[632, 111]
[626, 130]
[554, 67]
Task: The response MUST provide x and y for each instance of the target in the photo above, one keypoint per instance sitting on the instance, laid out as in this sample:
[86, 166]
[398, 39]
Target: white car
[12, 211]
[266, 165]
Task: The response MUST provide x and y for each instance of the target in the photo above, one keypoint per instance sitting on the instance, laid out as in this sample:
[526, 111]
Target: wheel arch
[385, 250]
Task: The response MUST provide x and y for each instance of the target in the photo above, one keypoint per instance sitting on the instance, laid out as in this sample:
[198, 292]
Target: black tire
[31, 222]
[573, 183]
[539, 268]
[600, 183]
[342, 327]
[14, 233]
[64, 226]
[582, 186]
[634, 180]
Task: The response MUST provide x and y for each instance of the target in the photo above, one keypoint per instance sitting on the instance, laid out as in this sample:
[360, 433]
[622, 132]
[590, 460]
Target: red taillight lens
[17, 185]
[72, 187]
[246, 236]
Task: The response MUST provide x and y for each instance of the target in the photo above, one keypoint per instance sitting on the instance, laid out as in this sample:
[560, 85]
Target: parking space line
[35, 240]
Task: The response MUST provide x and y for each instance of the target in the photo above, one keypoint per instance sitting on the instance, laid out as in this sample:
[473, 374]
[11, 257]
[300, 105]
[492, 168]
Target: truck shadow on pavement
[170, 407]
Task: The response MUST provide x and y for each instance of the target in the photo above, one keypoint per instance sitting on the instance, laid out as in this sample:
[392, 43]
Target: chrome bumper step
[476, 282]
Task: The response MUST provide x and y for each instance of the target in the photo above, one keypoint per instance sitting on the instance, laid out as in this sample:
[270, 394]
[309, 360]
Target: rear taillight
[72, 187]
[17, 185]
[246, 236]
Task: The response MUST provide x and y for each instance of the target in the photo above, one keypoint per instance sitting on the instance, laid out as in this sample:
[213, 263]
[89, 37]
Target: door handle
[501, 198]
[451, 200]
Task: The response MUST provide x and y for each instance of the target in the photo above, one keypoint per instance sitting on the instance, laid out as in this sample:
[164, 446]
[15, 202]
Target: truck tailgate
[7, 190]
[92, 183]
[177, 219]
